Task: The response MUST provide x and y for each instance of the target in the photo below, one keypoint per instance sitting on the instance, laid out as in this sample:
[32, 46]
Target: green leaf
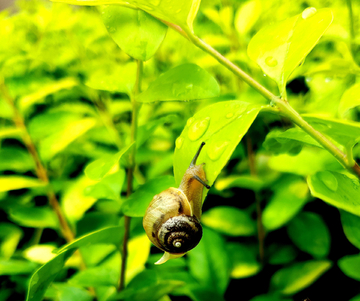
[243, 258]
[180, 13]
[290, 195]
[98, 169]
[310, 234]
[184, 82]
[15, 159]
[112, 77]
[281, 254]
[230, 221]
[243, 181]
[350, 265]
[222, 126]
[39, 253]
[16, 267]
[350, 223]
[337, 190]
[108, 188]
[136, 32]
[18, 182]
[137, 203]
[96, 276]
[10, 236]
[269, 297]
[356, 298]
[344, 132]
[294, 278]
[147, 286]
[247, 15]
[209, 262]
[289, 141]
[41, 279]
[65, 292]
[36, 217]
[350, 99]
[281, 47]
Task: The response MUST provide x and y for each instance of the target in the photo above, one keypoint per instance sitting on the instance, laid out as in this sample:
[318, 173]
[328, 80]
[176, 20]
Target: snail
[172, 220]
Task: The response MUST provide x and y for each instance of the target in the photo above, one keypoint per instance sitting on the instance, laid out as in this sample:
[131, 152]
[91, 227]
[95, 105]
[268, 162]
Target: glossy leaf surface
[136, 32]
[336, 189]
[350, 265]
[184, 82]
[350, 223]
[281, 47]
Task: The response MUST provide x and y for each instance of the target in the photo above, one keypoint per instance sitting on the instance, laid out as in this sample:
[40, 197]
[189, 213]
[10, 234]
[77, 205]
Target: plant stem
[260, 227]
[39, 167]
[131, 168]
[284, 107]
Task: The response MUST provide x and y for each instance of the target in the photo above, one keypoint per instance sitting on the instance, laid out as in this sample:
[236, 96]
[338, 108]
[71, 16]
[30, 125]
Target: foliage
[103, 107]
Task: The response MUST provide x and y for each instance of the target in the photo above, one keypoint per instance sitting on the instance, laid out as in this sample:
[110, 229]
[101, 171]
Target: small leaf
[39, 253]
[281, 47]
[289, 141]
[65, 292]
[294, 278]
[350, 265]
[10, 236]
[243, 258]
[337, 190]
[310, 234]
[222, 126]
[290, 195]
[41, 279]
[209, 262]
[98, 169]
[15, 159]
[281, 254]
[230, 221]
[16, 267]
[247, 15]
[136, 32]
[18, 182]
[350, 99]
[269, 297]
[184, 82]
[36, 217]
[137, 203]
[350, 223]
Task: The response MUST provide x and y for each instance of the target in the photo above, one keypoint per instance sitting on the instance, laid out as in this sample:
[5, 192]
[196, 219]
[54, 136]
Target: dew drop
[229, 115]
[329, 180]
[190, 121]
[217, 149]
[189, 86]
[198, 129]
[308, 12]
[179, 142]
[155, 2]
[271, 61]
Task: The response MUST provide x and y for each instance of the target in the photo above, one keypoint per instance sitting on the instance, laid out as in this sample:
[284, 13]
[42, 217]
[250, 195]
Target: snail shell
[172, 220]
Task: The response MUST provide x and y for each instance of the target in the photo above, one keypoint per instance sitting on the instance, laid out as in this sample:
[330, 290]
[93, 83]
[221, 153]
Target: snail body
[172, 220]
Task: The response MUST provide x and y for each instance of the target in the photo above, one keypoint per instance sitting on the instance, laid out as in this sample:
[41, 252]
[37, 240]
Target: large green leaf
[10, 236]
[136, 32]
[290, 195]
[350, 99]
[35, 217]
[15, 159]
[138, 202]
[184, 82]
[344, 132]
[181, 13]
[350, 265]
[222, 126]
[16, 267]
[230, 221]
[281, 47]
[294, 278]
[289, 141]
[336, 189]
[310, 234]
[41, 279]
[209, 262]
[350, 223]
[12, 182]
[65, 292]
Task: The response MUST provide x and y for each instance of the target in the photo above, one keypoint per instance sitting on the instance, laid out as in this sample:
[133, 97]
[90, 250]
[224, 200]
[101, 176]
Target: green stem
[131, 168]
[284, 107]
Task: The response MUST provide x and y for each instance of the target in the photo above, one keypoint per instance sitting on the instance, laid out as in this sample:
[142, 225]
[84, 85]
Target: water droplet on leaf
[179, 142]
[229, 115]
[155, 2]
[190, 121]
[271, 61]
[308, 12]
[329, 180]
[216, 149]
[198, 129]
